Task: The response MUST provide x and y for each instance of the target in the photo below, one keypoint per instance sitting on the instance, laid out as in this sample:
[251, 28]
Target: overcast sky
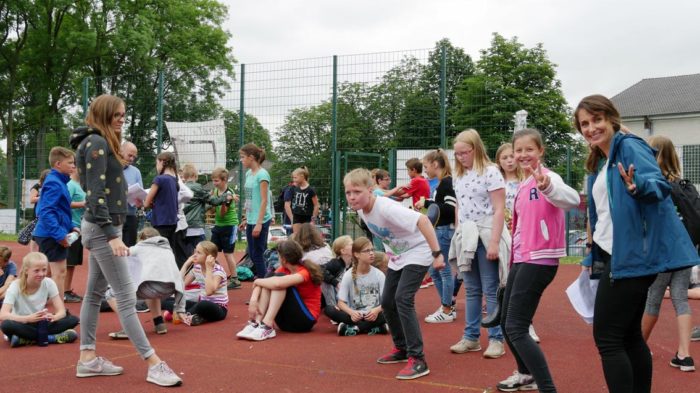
[600, 46]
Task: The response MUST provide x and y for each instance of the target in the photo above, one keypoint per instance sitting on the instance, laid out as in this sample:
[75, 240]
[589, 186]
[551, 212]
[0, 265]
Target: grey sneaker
[161, 328]
[233, 283]
[97, 367]
[696, 334]
[162, 375]
[465, 345]
[495, 350]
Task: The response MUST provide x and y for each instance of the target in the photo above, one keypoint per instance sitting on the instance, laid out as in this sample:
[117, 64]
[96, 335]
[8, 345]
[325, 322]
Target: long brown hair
[308, 237]
[598, 105]
[100, 116]
[357, 246]
[667, 157]
[251, 149]
[443, 161]
[291, 252]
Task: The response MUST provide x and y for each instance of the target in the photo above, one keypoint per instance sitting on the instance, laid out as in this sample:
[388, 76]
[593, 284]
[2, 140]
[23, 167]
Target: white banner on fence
[202, 143]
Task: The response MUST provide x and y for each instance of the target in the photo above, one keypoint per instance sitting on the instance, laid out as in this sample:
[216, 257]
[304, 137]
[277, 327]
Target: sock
[157, 320]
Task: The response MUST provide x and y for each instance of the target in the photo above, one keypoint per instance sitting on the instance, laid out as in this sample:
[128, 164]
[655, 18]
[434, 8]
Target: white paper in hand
[581, 294]
[136, 193]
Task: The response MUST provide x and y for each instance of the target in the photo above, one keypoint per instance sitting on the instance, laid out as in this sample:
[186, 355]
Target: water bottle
[72, 237]
[42, 333]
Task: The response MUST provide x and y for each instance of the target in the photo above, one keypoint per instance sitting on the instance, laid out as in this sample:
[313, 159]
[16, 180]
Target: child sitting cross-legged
[359, 307]
[211, 277]
[24, 308]
[291, 298]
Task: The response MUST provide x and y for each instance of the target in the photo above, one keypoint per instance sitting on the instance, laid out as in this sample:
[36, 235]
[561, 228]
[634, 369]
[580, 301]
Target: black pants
[398, 303]
[129, 230]
[210, 312]
[617, 330]
[27, 331]
[293, 315]
[342, 316]
[526, 283]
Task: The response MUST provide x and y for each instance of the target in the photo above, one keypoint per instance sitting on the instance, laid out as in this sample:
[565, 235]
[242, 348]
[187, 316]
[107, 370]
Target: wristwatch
[436, 253]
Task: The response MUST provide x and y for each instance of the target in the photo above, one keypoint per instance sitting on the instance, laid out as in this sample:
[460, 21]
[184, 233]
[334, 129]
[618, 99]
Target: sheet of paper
[581, 294]
[136, 192]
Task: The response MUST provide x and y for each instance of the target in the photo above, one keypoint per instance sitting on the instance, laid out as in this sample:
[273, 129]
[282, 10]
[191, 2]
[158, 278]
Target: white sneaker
[495, 350]
[261, 333]
[247, 330]
[440, 317]
[533, 334]
[517, 382]
[162, 375]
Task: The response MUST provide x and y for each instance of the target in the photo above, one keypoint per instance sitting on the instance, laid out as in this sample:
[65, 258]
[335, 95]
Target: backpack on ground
[687, 200]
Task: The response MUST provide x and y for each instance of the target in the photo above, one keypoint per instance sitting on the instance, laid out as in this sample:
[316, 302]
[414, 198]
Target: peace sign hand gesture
[543, 181]
[628, 177]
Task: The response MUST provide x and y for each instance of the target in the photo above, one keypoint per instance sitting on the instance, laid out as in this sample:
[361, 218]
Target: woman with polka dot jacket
[100, 167]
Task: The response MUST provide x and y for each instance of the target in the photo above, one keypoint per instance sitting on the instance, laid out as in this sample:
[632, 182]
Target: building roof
[660, 96]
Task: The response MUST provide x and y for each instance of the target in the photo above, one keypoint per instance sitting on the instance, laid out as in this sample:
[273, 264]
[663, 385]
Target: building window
[691, 163]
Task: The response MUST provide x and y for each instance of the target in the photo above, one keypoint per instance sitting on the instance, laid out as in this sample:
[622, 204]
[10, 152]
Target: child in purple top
[162, 197]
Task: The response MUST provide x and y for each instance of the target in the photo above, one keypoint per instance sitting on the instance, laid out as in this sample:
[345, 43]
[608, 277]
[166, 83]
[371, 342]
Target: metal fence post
[159, 126]
[19, 192]
[241, 138]
[443, 88]
[335, 170]
[86, 92]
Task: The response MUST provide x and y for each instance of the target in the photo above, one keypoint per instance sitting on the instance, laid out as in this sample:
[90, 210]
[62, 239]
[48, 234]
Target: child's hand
[419, 205]
[186, 319]
[372, 315]
[236, 198]
[210, 262]
[356, 316]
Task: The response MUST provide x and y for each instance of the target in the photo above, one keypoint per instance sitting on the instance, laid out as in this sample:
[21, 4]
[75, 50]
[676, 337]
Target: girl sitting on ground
[333, 270]
[359, 307]
[26, 305]
[211, 277]
[291, 299]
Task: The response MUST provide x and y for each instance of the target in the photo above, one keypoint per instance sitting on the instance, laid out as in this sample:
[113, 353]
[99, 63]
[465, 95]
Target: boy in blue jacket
[54, 231]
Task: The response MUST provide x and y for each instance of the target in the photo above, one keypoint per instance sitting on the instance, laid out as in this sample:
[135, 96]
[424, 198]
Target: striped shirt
[220, 296]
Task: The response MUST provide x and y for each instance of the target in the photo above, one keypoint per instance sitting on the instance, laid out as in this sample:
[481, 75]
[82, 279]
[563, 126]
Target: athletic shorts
[224, 238]
[293, 315]
[54, 251]
[300, 219]
[75, 253]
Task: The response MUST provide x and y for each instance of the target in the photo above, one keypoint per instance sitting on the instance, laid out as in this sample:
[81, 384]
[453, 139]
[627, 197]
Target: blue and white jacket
[648, 236]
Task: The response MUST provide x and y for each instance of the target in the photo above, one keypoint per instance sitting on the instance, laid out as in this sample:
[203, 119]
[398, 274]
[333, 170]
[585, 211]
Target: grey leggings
[679, 281]
[106, 269]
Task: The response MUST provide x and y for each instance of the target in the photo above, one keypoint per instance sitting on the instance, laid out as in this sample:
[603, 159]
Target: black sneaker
[685, 364]
[415, 368]
[233, 283]
[71, 297]
[381, 329]
[345, 329]
[141, 306]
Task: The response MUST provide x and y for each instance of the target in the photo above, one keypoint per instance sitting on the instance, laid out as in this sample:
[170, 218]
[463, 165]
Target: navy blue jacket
[54, 207]
[648, 236]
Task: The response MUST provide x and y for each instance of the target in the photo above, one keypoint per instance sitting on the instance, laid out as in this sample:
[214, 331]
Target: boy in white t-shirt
[410, 238]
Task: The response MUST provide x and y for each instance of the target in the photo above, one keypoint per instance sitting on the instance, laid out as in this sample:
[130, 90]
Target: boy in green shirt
[225, 223]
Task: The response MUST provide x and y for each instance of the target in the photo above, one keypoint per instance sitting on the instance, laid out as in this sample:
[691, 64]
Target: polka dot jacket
[102, 178]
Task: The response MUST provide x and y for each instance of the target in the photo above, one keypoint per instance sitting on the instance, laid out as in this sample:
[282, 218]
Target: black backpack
[279, 202]
[685, 197]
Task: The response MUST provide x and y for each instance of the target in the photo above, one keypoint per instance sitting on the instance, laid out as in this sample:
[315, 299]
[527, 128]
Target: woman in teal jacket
[631, 212]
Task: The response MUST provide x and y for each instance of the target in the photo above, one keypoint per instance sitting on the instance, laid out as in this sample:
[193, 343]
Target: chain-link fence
[329, 114]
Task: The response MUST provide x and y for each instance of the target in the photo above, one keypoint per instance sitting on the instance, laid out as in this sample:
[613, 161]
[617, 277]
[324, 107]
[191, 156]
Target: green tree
[510, 77]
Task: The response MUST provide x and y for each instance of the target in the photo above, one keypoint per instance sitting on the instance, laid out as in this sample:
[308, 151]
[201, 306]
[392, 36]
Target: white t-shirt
[472, 191]
[603, 235]
[369, 289]
[319, 256]
[397, 228]
[511, 191]
[29, 304]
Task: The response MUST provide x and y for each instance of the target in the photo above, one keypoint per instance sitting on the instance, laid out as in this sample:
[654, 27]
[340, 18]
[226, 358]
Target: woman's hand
[439, 262]
[256, 230]
[118, 247]
[628, 177]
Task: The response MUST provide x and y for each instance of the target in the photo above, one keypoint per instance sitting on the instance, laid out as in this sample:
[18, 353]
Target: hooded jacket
[102, 178]
[648, 236]
[155, 263]
[53, 208]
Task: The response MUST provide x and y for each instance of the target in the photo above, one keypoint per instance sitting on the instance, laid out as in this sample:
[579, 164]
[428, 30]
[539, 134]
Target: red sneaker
[395, 356]
[415, 368]
[428, 281]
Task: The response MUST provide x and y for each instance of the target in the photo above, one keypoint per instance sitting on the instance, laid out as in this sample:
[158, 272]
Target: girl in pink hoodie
[538, 242]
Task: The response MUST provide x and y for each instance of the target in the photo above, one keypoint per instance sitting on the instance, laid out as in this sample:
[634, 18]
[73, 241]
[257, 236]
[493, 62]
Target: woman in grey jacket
[101, 173]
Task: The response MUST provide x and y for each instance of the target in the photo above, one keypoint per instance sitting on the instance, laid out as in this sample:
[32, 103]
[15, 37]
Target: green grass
[570, 260]
[8, 237]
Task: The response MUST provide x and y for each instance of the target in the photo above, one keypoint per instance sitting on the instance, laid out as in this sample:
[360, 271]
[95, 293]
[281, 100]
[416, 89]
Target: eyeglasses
[367, 251]
[119, 115]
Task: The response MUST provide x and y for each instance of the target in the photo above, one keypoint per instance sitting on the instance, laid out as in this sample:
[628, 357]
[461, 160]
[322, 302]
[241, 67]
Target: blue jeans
[482, 280]
[257, 246]
[443, 280]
